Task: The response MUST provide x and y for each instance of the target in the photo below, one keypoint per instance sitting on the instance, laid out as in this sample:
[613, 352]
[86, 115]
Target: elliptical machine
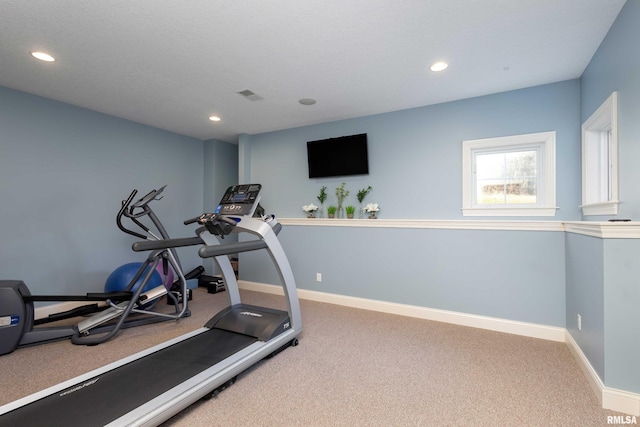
[16, 302]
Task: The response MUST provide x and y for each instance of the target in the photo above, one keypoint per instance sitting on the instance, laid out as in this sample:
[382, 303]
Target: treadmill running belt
[108, 396]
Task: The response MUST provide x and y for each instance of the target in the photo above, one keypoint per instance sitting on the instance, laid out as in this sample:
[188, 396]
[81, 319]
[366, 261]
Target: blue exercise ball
[120, 278]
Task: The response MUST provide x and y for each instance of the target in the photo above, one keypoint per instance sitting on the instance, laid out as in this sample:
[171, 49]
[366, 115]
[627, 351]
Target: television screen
[346, 155]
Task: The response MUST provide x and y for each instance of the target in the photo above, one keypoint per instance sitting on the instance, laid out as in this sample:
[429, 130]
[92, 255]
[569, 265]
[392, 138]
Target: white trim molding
[610, 398]
[601, 229]
[509, 211]
[514, 225]
[605, 230]
[532, 330]
[603, 208]
[600, 160]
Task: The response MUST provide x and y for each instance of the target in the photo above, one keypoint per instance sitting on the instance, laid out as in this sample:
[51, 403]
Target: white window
[600, 160]
[510, 176]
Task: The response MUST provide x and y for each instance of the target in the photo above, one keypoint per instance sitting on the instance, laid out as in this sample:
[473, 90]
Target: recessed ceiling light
[215, 118]
[43, 56]
[439, 66]
[307, 101]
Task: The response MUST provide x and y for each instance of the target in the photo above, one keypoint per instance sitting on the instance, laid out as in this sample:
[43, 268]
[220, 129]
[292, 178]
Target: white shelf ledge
[600, 229]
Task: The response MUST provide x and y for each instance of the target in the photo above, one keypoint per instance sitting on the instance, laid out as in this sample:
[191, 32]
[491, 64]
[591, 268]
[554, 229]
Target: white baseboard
[610, 398]
[483, 322]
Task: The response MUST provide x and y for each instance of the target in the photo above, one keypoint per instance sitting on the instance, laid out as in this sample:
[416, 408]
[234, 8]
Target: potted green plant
[360, 196]
[321, 198]
[350, 211]
[331, 211]
[341, 193]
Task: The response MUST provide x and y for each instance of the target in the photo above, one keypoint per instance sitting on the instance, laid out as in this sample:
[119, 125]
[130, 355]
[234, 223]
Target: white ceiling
[171, 64]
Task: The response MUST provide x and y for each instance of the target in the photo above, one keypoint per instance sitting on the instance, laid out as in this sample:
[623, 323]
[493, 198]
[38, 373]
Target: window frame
[544, 143]
[600, 160]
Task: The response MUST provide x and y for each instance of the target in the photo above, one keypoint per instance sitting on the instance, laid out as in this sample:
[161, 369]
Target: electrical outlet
[579, 322]
[318, 277]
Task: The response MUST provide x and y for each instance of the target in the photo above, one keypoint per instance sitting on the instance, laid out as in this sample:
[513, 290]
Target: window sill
[604, 208]
[509, 211]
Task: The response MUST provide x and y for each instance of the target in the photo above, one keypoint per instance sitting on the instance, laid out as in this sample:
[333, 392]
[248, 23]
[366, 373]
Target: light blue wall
[602, 286]
[415, 171]
[585, 296]
[244, 159]
[415, 155]
[220, 172]
[602, 274]
[622, 314]
[466, 271]
[616, 67]
[63, 174]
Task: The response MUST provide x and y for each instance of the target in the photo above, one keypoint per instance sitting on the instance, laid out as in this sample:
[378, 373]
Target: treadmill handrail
[231, 248]
[148, 245]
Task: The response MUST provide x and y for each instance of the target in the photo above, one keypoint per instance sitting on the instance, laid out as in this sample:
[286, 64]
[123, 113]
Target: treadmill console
[240, 200]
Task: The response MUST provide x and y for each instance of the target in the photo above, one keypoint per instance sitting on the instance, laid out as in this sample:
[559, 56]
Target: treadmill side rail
[183, 395]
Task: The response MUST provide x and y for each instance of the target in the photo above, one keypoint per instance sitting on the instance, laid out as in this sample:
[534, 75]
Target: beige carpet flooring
[353, 368]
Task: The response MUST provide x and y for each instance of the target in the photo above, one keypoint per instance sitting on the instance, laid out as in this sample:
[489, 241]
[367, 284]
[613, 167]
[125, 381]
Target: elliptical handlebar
[129, 210]
[124, 211]
[150, 196]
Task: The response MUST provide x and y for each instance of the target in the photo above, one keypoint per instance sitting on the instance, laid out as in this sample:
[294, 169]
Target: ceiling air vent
[251, 96]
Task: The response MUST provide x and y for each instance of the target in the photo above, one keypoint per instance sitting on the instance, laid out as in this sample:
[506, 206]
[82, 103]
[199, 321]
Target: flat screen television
[343, 156]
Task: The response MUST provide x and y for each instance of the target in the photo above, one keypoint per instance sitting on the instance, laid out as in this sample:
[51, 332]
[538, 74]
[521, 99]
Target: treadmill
[151, 386]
